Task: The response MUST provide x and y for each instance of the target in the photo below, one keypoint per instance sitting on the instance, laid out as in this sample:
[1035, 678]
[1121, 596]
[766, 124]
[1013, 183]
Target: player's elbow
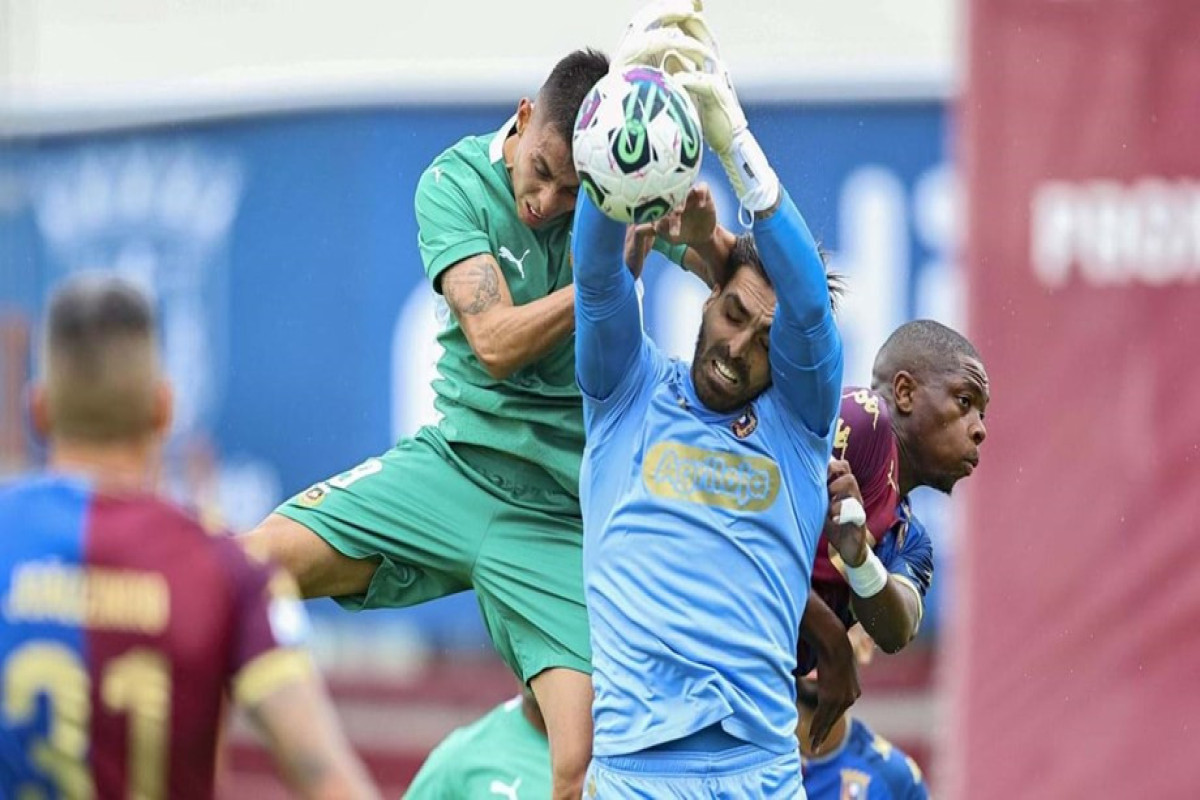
[892, 644]
[894, 637]
[491, 354]
[497, 366]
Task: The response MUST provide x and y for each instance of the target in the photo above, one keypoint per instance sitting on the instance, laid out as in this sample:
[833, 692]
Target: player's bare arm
[300, 728]
[891, 611]
[837, 671]
[504, 336]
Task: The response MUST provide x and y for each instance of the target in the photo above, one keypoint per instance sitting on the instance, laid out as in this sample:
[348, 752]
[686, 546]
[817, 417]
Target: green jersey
[501, 754]
[465, 207]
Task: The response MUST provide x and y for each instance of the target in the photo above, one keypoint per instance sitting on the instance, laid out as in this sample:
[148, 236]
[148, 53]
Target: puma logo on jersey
[437, 174]
[501, 788]
[519, 263]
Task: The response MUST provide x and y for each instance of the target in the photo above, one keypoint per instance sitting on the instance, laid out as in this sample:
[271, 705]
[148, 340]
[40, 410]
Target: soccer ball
[637, 144]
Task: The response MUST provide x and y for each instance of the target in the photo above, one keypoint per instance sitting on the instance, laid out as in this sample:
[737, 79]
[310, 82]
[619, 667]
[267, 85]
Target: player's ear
[904, 386]
[524, 114]
[164, 408]
[39, 410]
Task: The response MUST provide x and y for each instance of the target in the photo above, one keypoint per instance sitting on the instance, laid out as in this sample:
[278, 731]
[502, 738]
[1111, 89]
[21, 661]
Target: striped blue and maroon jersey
[123, 626]
[866, 440]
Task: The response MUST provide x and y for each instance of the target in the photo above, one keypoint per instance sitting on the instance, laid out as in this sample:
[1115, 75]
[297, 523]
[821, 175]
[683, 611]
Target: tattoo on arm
[475, 290]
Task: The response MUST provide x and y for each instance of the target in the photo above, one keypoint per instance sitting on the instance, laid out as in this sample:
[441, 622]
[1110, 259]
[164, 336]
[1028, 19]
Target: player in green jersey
[487, 498]
[504, 753]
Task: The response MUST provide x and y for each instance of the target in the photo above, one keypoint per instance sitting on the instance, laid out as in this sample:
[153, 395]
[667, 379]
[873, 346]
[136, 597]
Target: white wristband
[756, 184]
[868, 578]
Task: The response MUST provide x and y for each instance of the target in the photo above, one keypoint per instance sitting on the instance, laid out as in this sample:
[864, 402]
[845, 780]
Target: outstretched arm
[806, 347]
[608, 326]
[806, 350]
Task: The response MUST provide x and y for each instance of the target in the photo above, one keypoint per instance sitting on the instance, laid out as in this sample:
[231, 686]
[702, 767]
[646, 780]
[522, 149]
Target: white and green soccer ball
[637, 144]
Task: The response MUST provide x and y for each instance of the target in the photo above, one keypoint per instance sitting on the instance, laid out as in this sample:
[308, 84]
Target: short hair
[922, 347]
[569, 82]
[99, 360]
[744, 253]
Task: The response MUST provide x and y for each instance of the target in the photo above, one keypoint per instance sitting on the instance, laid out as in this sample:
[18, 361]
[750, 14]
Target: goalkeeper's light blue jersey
[700, 527]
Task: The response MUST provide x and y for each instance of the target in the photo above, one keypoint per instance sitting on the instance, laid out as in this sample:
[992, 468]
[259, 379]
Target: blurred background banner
[1075, 650]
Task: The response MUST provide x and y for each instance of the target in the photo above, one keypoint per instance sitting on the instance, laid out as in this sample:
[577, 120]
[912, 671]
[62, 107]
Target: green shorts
[445, 520]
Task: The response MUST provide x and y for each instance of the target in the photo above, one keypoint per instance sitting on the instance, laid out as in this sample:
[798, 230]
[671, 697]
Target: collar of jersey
[496, 149]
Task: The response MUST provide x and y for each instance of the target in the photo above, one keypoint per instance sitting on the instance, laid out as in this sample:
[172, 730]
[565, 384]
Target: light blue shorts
[734, 774]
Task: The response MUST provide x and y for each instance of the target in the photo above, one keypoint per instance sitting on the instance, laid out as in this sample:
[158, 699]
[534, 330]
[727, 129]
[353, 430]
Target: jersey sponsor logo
[91, 597]
[854, 784]
[519, 263]
[745, 425]
[682, 472]
[508, 790]
[841, 438]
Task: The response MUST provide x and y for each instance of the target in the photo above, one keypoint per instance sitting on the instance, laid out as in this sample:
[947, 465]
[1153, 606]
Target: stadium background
[253, 163]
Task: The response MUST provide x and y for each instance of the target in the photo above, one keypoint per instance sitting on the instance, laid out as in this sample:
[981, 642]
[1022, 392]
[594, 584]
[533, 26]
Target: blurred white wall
[75, 63]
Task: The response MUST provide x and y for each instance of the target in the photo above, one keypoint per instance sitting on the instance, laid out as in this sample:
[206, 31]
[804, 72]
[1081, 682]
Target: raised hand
[694, 222]
[844, 522]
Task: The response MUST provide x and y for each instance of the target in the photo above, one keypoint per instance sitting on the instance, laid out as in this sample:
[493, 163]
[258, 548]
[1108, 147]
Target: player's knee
[569, 763]
[568, 777]
[319, 569]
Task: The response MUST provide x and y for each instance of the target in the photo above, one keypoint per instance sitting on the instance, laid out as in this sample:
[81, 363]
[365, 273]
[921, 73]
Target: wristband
[868, 578]
[674, 252]
[756, 183]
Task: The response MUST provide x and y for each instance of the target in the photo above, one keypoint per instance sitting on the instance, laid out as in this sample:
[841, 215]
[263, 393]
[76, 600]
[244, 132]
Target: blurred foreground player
[503, 754]
[921, 424]
[125, 623]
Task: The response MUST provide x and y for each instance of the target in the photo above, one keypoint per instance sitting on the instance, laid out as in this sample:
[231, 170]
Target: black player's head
[731, 366]
[100, 381]
[543, 173]
[936, 385]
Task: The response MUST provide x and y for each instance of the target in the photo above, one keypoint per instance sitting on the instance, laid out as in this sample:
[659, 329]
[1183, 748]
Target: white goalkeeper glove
[725, 131]
[665, 28]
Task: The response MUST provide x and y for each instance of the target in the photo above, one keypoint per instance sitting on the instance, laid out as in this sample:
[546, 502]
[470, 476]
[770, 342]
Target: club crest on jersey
[745, 425]
[313, 496]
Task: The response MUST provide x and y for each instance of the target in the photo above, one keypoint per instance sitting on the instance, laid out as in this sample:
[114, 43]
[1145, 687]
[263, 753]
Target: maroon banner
[1073, 665]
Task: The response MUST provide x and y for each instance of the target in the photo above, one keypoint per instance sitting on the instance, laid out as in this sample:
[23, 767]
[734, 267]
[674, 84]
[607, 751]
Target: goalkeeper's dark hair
[744, 253]
[562, 94]
[922, 347]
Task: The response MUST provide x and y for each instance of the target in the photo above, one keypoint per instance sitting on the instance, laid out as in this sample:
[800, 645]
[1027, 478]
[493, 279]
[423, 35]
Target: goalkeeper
[704, 493]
